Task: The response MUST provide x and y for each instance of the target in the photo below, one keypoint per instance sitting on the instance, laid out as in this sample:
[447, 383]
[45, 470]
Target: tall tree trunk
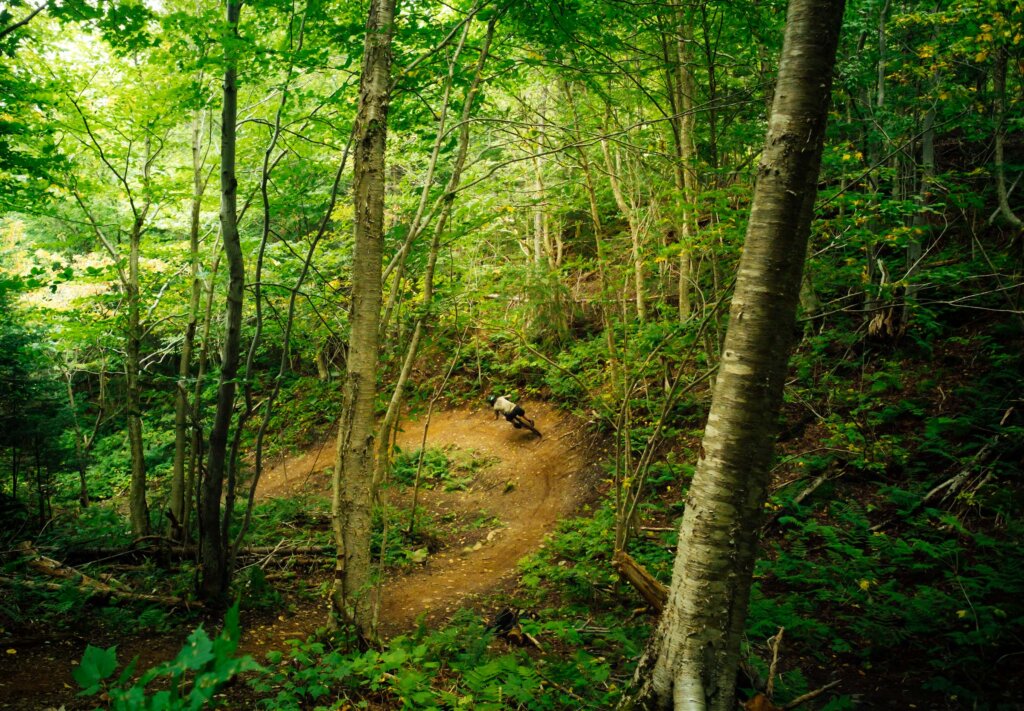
[213, 554]
[875, 152]
[540, 241]
[180, 514]
[138, 509]
[353, 471]
[926, 181]
[82, 441]
[692, 659]
[711, 60]
[629, 211]
[676, 39]
[686, 174]
[999, 86]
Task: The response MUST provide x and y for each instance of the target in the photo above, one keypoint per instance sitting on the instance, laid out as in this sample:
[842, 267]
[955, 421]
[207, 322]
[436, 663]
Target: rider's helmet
[491, 399]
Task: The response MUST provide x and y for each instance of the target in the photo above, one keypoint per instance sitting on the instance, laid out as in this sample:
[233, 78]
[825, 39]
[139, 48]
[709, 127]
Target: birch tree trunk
[353, 471]
[213, 547]
[682, 86]
[692, 659]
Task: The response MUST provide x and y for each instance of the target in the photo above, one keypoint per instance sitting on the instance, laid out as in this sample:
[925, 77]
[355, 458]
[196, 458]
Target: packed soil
[523, 485]
[513, 489]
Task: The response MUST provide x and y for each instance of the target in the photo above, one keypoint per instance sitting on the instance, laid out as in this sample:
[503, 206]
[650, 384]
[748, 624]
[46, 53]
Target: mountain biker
[511, 411]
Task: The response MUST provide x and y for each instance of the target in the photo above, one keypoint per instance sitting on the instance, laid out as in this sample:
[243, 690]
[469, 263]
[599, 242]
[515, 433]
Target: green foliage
[301, 519]
[201, 668]
[401, 546]
[33, 412]
[453, 470]
[305, 408]
[435, 468]
[453, 668]
[87, 88]
[577, 560]
[951, 603]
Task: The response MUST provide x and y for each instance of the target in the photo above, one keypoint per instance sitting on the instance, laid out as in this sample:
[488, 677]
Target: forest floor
[517, 487]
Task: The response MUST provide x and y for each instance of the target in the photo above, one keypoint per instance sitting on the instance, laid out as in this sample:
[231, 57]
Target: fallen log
[178, 552]
[650, 589]
[102, 593]
[83, 582]
[55, 569]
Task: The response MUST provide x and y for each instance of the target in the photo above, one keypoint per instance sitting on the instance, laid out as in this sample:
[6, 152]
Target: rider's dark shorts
[517, 412]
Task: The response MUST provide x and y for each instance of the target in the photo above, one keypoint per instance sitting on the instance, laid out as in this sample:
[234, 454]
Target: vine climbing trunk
[213, 546]
[691, 660]
[353, 472]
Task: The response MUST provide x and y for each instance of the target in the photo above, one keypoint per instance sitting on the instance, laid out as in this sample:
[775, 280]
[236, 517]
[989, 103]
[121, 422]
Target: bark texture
[999, 85]
[212, 551]
[353, 472]
[692, 659]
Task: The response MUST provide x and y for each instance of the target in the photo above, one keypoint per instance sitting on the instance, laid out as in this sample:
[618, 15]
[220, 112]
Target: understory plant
[189, 681]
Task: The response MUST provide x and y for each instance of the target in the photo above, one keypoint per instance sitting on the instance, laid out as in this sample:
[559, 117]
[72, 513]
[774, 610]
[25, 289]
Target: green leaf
[195, 654]
[97, 664]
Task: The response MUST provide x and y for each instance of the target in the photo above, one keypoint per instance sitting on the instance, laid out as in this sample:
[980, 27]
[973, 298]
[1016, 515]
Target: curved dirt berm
[519, 496]
[529, 485]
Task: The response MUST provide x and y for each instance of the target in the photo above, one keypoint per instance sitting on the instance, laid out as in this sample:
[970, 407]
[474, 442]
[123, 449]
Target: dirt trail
[528, 484]
[532, 484]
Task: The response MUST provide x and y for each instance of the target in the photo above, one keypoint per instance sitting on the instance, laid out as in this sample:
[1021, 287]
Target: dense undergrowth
[903, 592]
[890, 553]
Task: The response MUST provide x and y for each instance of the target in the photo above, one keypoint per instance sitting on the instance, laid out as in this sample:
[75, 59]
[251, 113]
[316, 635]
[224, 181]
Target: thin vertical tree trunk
[602, 260]
[919, 222]
[213, 554]
[629, 211]
[231, 467]
[999, 86]
[180, 515]
[196, 451]
[687, 174]
[289, 322]
[686, 171]
[539, 212]
[711, 58]
[692, 659]
[82, 442]
[353, 471]
[871, 300]
[138, 510]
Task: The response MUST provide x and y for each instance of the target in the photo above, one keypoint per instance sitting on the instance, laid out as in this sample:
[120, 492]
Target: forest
[509, 354]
